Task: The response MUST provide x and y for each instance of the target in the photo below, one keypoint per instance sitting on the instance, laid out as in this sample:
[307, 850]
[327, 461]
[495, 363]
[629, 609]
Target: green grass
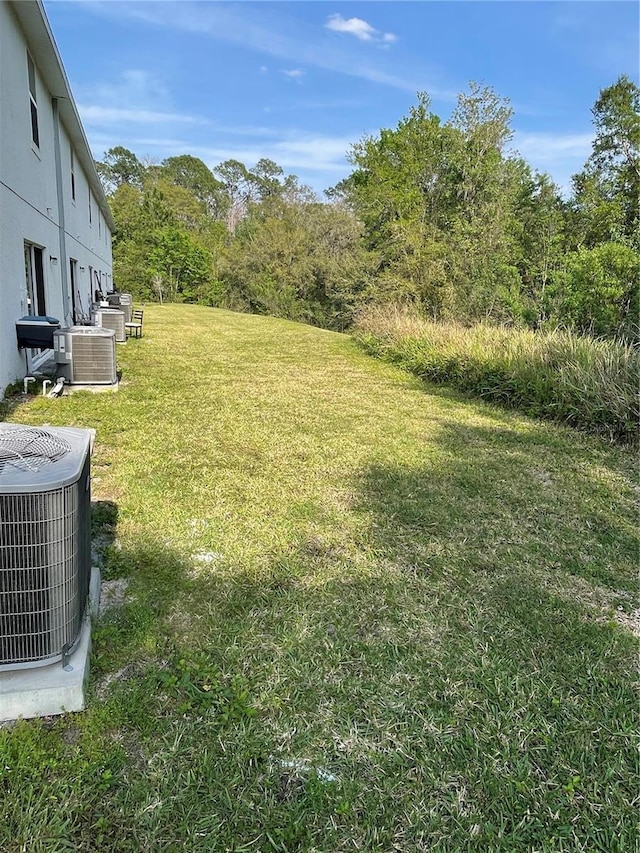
[362, 614]
[589, 383]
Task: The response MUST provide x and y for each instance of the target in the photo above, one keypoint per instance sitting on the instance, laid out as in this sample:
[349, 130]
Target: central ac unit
[111, 318]
[123, 301]
[86, 355]
[45, 542]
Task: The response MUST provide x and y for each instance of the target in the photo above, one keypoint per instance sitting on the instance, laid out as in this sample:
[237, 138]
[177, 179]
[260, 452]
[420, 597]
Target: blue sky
[299, 82]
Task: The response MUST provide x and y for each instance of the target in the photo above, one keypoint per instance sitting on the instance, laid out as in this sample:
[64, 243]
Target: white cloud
[315, 152]
[133, 87]
[319, 160]
[134, 97]
[294, 73]
[273, 34]
[294, 152]
[291, 148]
[353, 26]
[553, 146]
[94, 114]
[561, 155]
[359, 28]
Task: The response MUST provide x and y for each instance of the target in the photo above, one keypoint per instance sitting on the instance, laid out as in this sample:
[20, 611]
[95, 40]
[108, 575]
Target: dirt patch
[124, 674]
[631, 621]
[113, 594]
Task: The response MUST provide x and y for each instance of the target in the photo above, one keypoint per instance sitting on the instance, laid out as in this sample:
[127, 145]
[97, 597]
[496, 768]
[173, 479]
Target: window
[73, 175]
[90, 211]
[35, 135]
[99, 225]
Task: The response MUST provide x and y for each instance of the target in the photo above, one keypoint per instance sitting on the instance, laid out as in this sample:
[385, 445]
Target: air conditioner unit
[86, 355]
[123, 301]
[45, 542]
[111, 318]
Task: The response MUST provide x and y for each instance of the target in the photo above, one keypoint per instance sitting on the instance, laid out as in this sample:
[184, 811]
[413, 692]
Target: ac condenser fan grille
[30, 449]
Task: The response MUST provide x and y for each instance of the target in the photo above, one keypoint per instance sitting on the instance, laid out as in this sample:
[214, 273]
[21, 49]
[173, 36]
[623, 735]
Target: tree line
[442, 216]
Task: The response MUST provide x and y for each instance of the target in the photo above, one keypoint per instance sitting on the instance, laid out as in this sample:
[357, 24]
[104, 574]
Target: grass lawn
[362, 614]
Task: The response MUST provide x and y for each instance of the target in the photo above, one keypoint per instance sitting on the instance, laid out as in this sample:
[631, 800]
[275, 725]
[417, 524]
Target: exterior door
[34, 272]
[73, 273]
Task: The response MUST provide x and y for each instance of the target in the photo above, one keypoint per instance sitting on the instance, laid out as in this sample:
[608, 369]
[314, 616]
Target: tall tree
[438, 204]
[120, 166]
[179, 265]
[597, 291]
[192, 174]
[266, 178]
[237, 183]
[539, 228]
[297, 259]
[607, 191]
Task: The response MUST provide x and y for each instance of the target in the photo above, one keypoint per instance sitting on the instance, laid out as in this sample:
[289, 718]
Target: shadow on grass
[498, 498]
[140, 584]
[104, 523]
[454, 686]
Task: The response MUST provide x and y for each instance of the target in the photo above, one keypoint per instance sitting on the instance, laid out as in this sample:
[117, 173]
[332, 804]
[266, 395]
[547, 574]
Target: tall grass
[586, 382]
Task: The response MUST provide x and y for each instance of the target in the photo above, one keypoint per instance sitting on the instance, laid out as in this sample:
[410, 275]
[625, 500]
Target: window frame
[35, 279]
[73, 172]
[33, 101]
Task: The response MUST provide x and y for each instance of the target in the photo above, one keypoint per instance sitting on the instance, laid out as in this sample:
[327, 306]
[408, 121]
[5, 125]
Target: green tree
[607, 191]
[237, 184]
[598, 291]
[400, 189]
[179, 204]
[193, 175]
[539, 228]
[266, 178]
[120, 166]
[181, 265]
[438, 203]
[297, 259]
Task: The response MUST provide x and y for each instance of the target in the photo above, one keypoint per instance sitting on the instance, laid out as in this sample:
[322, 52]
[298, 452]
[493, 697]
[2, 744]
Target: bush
[597, 291]
[586, 382]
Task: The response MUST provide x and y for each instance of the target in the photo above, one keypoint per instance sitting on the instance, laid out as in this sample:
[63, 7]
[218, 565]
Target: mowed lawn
[361, 614]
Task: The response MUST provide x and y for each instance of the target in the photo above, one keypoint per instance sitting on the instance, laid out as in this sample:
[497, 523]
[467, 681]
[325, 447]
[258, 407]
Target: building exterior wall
[87, 242]
[31, 200]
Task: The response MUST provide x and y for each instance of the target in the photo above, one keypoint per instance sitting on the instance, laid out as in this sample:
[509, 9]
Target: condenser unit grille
[45, 559]
[29, 448]
[123, 301]
[93, 359]
[114, 319]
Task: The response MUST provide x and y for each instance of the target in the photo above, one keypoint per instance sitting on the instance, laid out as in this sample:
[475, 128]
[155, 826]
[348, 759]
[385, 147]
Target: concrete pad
[47, 690]
[95, 389]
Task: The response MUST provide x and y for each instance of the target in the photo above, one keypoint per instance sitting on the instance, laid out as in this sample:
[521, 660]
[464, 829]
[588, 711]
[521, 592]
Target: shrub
[598, 290]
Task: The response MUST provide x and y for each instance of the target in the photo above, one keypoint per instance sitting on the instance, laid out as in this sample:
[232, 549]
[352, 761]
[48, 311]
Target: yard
[349, 612]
